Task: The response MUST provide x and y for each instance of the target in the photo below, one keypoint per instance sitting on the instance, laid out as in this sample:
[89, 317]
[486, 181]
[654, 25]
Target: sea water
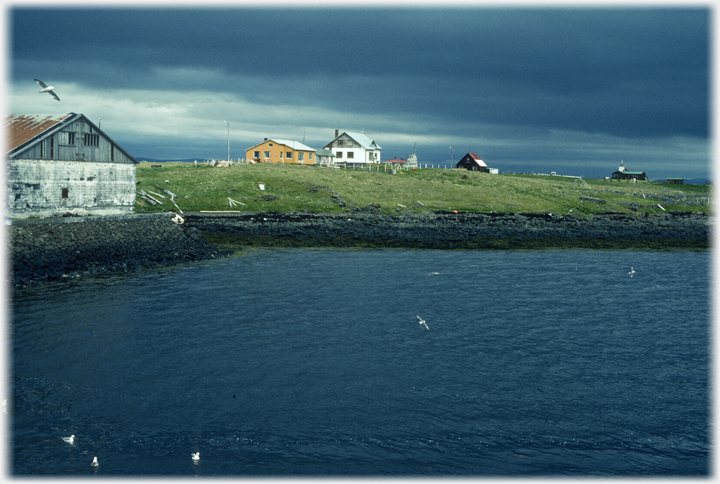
[315, 363]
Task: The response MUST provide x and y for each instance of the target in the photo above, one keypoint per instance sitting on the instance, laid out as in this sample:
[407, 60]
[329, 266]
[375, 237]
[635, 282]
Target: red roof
[477, 159]
[396, 160]
[21, 128]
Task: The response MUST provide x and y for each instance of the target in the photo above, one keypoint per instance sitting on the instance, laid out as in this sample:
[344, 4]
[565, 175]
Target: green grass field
[318, 189]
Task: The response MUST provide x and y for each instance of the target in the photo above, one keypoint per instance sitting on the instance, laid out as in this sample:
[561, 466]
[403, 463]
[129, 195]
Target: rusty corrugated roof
[21, 128]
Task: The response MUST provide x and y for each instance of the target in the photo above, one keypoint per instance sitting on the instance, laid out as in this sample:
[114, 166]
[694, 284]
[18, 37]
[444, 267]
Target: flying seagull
[46, 88]
[422, 321]
[69, 440]
[632, 271]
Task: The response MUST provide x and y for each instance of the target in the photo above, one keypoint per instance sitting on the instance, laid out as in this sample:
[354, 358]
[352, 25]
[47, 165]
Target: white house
[354, 149]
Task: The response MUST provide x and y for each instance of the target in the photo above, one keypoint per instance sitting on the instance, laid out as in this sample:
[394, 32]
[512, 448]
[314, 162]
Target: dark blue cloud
[625, 72]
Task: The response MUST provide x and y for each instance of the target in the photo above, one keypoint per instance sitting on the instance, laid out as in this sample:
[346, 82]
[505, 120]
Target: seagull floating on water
[632, 271]
[47, 89]
[422, 321]
[69, 440]
[95, 463]
[433, 274]
[196, 456]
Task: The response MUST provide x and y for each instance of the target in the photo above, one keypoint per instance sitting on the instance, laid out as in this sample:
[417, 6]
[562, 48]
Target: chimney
[336, 133]
[265, 139]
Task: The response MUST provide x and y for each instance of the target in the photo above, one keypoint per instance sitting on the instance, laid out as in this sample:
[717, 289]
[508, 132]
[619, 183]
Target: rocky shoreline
[68, 248]
[449, 230]
[73, 247]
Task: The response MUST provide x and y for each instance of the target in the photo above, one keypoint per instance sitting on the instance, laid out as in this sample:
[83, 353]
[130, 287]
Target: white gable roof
[363, 141]
[296, 145]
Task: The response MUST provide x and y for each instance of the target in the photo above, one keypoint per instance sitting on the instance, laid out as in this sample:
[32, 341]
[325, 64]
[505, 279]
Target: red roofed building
[395, 161]
[472, 162]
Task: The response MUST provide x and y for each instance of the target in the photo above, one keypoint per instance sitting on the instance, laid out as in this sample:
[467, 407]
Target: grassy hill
[294, 188]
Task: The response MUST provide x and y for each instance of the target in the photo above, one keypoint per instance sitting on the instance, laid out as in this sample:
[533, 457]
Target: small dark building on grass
[61, 164]
[677, 181]
[472, 162]
[629, 175]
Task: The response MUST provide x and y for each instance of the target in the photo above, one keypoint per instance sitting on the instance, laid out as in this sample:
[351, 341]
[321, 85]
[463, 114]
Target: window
[267, 154]
[52, 147]
[351, 154]
[340, 142]
[281, 153]
[256, 155]
[42, 150]
[66, 138]
[289, 155]
[339, 154]
[310, 157]
[112, 152]
[92, 139]
[270, 144]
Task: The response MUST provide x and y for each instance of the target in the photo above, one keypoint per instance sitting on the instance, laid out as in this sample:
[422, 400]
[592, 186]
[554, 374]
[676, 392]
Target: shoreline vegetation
[291, 188]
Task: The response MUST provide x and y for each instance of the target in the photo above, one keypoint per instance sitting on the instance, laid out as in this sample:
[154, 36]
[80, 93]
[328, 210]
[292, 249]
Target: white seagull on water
[422, 321]
[69, 440]
[196, 456]
[632, 271]
[46, 88]
[95, 463]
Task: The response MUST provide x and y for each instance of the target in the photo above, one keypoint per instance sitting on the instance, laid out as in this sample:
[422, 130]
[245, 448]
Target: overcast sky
[571, 90]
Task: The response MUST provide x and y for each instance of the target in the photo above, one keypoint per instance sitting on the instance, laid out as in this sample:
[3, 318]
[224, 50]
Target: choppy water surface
[302, 362]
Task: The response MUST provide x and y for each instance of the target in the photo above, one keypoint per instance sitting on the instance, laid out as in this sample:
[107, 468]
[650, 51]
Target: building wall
[41, 188]
[348, 151]
[272, 152]
[76, 141]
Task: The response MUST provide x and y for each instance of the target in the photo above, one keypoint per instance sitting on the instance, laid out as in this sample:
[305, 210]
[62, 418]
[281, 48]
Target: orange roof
[21, 128]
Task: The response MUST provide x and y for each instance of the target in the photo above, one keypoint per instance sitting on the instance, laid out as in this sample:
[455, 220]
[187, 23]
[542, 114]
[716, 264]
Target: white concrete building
[65, 164]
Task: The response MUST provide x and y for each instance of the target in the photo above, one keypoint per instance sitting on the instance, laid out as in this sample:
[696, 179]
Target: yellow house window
[281, 153]
[301, 156]
[267, 154]
[310, 156]
[289, 155]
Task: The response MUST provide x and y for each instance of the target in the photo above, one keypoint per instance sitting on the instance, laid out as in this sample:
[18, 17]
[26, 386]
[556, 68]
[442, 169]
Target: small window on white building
[351, 154]
[339, 154]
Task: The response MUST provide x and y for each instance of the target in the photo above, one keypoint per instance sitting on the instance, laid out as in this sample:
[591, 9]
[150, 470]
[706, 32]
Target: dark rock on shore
[448, 230]
[60, 249]
[47, 250]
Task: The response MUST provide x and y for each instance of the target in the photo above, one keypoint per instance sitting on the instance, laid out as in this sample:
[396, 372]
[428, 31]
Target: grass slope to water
[294, 188]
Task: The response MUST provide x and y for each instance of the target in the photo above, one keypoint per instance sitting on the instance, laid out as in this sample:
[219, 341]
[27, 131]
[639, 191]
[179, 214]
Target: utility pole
[228, 139]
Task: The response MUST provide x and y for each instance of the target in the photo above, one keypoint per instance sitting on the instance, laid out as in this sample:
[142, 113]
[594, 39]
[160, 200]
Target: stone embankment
[67, 248]
[444, 230]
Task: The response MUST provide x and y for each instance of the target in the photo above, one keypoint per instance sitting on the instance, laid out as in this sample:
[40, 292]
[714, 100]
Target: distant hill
[156, 160]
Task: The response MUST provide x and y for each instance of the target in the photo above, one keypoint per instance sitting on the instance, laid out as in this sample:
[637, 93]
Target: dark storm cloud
[625, 72]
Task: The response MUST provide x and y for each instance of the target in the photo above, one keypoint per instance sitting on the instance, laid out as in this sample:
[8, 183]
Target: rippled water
[313, 362]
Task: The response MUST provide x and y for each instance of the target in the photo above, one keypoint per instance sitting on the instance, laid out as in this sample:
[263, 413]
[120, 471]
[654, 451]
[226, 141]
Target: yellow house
[281, 151]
